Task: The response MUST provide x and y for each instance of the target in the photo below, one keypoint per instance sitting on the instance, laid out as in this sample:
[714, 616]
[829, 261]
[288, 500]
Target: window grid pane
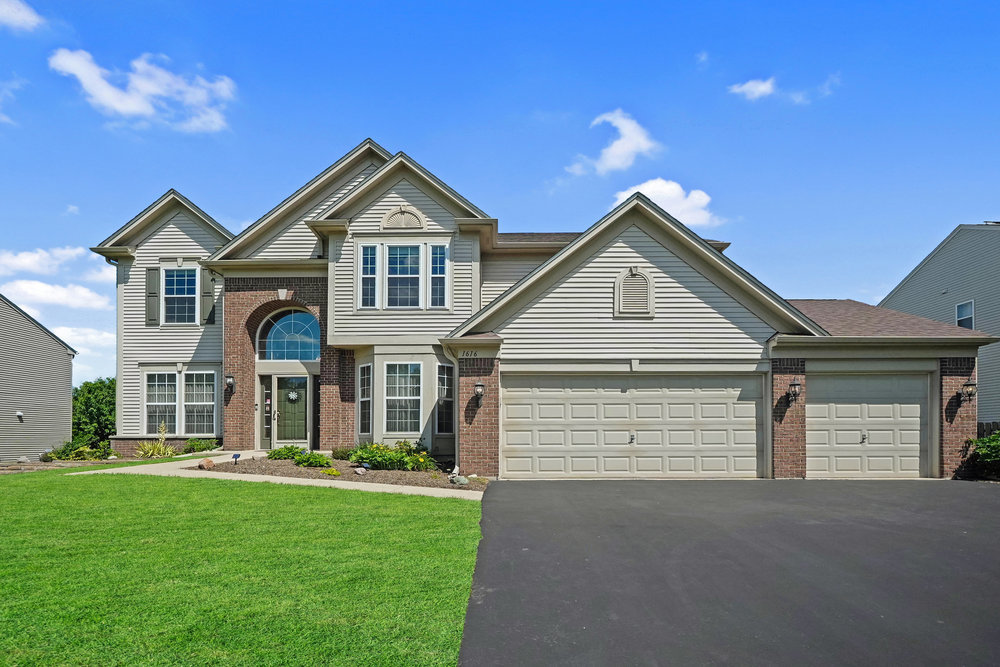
[180, 289]
[292, 336]
[161, 402]
[402, 404]
[438, 255]
[403, 284]
[199, 402]
[364, 399]
[446, 400]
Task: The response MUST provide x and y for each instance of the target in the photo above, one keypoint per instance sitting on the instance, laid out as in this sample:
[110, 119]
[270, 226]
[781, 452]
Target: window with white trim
[446, 399]
[403, 276]
[365, 399]
[965, 315]
[180, 296]
[369, 277]
[439, 275]
[402, 398]
[161, 402]
[199, 402]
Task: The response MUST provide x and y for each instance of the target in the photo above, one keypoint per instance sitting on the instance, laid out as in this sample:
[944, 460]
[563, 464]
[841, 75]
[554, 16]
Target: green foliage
[332, 472]
[154, 449]
[404, 455]
[341, 453]
[985, 456]
[312, 460]
[287, 452]
[198, 445]
[82, 448]
[94, 413]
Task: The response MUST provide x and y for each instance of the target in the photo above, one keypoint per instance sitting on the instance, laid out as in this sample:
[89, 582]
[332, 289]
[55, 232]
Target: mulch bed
[286, 468]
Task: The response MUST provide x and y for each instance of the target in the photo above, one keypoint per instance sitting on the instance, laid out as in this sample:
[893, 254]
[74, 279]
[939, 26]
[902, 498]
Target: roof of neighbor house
[847, 317]
[38, 324]
[566, 237]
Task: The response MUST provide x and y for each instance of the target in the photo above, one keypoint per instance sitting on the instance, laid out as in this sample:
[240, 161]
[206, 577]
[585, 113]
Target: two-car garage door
[631, 425]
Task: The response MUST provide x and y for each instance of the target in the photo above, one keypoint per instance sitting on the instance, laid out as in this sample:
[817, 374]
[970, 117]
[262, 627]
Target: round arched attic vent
[403, 217]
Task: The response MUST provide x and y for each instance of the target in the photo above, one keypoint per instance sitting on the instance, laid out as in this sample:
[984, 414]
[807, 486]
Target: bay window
[365, 399]
[403, 276]
[402, 398]
[445, 400]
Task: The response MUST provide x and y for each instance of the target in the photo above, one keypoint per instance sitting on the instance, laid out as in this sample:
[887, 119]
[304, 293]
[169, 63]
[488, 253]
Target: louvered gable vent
[634, 293]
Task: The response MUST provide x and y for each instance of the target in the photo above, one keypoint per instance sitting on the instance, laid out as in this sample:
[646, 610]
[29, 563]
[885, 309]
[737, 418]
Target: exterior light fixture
[236, 459]
[230, 383]
[480, 391]
[969, 390]
[794, 389]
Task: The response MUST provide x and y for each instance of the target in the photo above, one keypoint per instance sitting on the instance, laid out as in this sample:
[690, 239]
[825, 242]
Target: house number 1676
[470, 354]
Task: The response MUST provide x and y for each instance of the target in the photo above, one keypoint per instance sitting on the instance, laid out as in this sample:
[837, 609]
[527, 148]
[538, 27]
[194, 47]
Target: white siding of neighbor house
[178, 236]
[500, 273]
[963, 269]
[37, 381]
[295, 240]
[440, 222]
[574, 317]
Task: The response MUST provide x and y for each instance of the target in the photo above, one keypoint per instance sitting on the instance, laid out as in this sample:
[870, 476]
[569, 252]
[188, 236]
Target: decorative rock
[458, 479]
[23, 459]
[360, 471]
[206, 464]
[473, 476]
[112, 458]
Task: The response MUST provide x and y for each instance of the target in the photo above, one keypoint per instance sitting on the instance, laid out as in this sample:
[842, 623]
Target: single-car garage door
[630, 426]
[866, 425]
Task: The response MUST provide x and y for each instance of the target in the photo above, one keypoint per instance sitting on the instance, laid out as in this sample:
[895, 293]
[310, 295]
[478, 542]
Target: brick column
[479, 427]
[788, 428]
[958, 416]
[336, 398]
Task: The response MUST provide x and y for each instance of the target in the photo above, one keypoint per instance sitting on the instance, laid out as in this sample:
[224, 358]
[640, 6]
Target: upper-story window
[289, 335]
[408, 276]
[965, 315]
[180, 296]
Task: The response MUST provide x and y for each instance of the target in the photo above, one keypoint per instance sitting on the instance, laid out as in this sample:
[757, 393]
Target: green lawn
[122, 569]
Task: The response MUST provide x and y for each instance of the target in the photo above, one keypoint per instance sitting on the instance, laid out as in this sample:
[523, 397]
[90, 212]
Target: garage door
[866, 425]
[630, 426]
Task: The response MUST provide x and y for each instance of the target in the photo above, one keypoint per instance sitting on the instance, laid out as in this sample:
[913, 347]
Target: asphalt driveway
[755, 572]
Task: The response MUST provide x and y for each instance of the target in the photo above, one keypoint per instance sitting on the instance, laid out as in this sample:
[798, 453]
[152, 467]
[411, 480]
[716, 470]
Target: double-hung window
[402, 398]
[369, 277]
[965, 315]
[189, 408]
[199, 403]
[161, 402]
[403, 279]
[445, 400]
[439, 273]
[365, 399]
[180, 296]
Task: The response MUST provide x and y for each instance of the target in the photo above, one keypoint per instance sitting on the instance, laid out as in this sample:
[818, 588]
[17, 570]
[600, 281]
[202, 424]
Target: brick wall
[127, 446]
[479, 426]
[247, 303]
[958, 417]
[788, 431]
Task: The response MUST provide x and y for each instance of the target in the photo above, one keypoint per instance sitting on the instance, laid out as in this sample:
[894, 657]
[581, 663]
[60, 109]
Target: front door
[291, 411]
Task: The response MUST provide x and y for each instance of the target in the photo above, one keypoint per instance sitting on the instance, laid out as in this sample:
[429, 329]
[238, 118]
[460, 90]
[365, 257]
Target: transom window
[402, 276]
[180, 296]
[289, 336]
[965, 315]
[191, 411]
[445, 400]
[402, 398]
[365, 399]
[403, 282]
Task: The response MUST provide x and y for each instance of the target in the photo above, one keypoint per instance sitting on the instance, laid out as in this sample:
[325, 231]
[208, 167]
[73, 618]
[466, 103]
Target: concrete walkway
[177, 469]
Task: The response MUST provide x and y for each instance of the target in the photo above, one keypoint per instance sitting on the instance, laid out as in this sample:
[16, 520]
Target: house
[377, 303]
[958, 283]
[36, 393]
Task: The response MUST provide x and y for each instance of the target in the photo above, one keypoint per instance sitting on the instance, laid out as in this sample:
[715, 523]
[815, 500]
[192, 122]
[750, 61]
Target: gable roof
[367, 148]
[847, 317]
[148, 215]
[925, 260]
[400, 162]
[566, 237]
[584, 241]
[38, 324]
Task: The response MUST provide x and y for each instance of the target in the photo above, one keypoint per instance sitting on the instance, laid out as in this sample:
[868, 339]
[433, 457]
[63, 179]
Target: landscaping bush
[81, 448]
[198, 445]
[985, 455]
[287, 452]
[342, 453]
[332, 472]
[312, 460]
[404, 455]
[154, 449]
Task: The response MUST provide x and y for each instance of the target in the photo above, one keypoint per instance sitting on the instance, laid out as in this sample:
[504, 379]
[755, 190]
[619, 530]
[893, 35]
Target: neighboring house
[376, 303]
[36, 388]
[959, 283]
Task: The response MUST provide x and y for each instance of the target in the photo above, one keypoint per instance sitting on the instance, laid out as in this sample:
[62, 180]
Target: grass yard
[123, 569]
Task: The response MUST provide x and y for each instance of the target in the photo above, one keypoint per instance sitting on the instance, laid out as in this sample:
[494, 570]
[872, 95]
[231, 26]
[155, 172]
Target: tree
[94, 412]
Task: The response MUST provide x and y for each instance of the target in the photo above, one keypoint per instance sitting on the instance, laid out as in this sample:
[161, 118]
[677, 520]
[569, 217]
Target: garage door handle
[864, 438]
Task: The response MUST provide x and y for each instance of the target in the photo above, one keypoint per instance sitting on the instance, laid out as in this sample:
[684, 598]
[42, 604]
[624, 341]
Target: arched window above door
[289, 335]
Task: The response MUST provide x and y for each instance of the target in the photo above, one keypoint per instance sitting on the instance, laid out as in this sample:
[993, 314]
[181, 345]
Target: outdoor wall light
[19, 415]
[794, 389]
[230, 382]
[480, 391]
[969, 390]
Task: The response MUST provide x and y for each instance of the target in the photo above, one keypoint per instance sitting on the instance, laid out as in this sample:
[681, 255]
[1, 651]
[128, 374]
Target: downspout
[452, 358]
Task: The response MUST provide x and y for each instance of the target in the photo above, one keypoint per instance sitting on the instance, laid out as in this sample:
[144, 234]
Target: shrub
[287, 452]
[81, 448]
[404, 455]
[985, 456]
[312, 460]
[341, 453]
[332, 472]
[198, 445]
[154, 449]
[94, 413]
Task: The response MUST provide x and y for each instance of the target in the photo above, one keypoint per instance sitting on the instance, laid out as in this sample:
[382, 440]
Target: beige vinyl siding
[178, 236]
[349, 321]
[574, 318]
[38, 381]
[963, 269]
[500, 273]
[295, 240]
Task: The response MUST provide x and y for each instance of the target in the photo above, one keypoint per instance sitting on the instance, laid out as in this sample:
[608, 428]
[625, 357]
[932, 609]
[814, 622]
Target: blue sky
[833, 144]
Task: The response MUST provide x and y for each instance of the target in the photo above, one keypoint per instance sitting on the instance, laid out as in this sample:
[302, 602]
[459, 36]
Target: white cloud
[102, 274]
[754, 89]
[701, 57]
[825, 89]
[18, 15]
[633, 140]
[7, 89]
[34, 312]
[187, 104]
[83, 339]
[45, 262]
[72, 209]
[690, 208]
[35, 292]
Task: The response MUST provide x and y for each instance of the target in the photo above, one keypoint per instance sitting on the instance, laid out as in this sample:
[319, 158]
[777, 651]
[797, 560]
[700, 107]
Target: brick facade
[788, 430]
[126, 446]
[958, 416]
[248, 302]
[479, 425]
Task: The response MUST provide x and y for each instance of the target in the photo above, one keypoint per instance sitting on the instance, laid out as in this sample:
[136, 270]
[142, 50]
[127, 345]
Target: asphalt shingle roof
[847, 317]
